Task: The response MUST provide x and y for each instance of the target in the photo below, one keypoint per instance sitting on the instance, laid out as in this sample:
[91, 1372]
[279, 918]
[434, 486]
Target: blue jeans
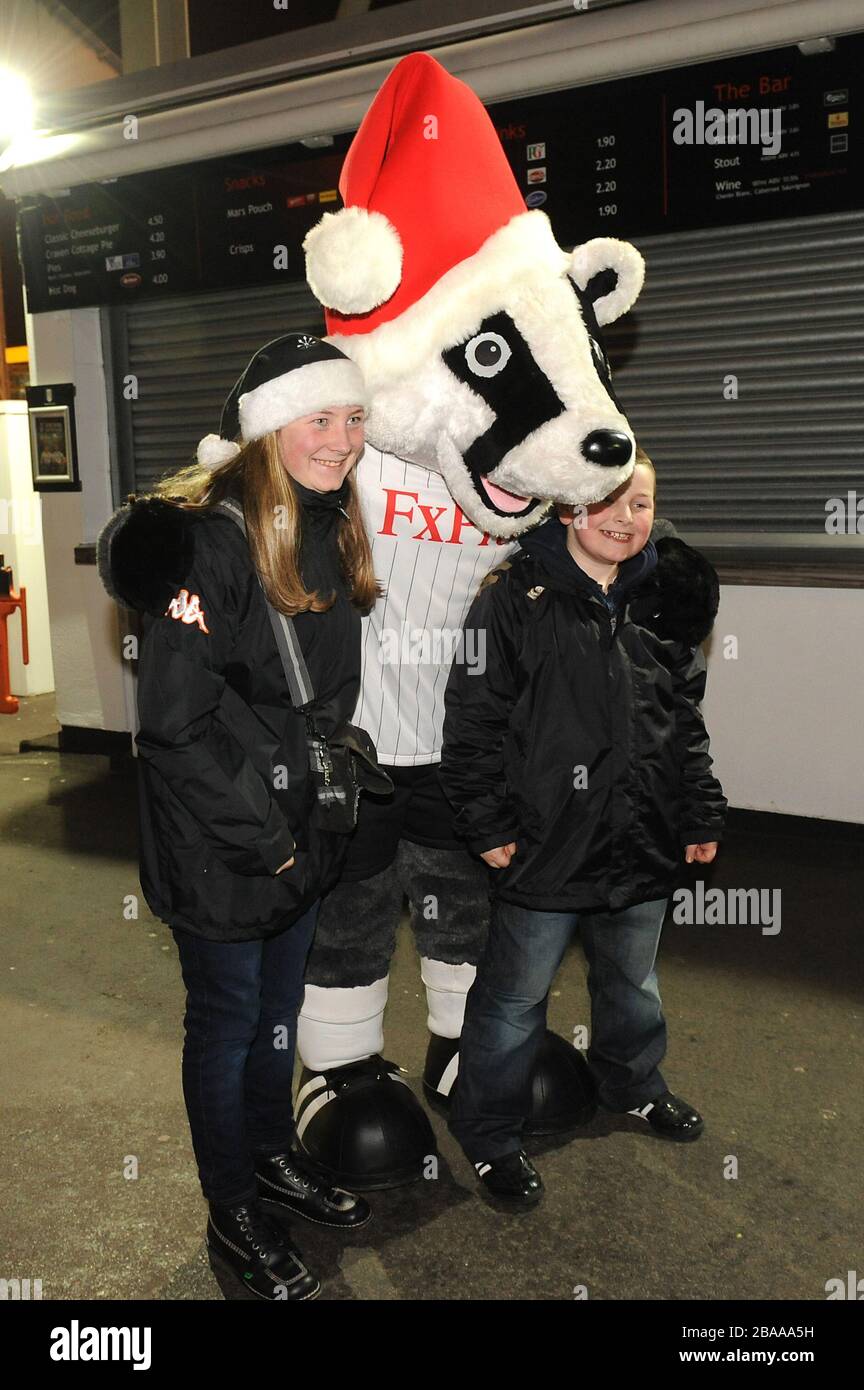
[505, 1017]
[242, 1002]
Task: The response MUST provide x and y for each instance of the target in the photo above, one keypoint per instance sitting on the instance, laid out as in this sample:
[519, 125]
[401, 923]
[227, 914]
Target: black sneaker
[252, 1257]
[671, 1117]
[512, 1177]
[287, 1181]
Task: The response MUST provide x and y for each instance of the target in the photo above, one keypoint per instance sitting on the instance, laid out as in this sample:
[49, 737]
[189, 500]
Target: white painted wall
[66, 346]
[785, 715]
[21, 544]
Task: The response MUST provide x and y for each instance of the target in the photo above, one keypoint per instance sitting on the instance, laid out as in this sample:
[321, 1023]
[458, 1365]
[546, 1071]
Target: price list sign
[735, 140]
[739, 140]
[253, 217]
[214, 225]
[103, 243]
[578, 156]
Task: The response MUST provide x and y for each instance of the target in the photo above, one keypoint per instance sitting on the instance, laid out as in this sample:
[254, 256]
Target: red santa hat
[434, 224]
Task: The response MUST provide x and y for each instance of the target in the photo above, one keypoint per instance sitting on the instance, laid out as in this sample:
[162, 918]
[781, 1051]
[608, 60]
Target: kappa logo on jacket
[187, 608]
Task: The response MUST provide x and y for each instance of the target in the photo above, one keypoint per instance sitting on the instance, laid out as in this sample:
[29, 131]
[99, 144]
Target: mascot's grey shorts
[403, 846]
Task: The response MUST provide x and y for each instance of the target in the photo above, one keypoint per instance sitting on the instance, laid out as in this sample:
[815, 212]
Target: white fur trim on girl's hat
[287, 378]
[318, 385]
[212, 452]
[353, 260]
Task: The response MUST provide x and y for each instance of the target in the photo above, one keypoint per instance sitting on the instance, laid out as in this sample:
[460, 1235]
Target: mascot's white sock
[446, 988]
[337, 1026]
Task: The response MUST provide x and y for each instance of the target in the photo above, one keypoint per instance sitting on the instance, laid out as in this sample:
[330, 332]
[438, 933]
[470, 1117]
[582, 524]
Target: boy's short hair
[642, 457]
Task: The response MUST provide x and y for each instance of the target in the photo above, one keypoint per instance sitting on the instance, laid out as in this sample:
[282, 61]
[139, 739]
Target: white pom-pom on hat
[353, 260]
[212, 452]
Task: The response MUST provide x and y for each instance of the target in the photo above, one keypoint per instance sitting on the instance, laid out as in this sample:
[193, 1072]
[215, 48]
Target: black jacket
[578, 680]
[224, 790]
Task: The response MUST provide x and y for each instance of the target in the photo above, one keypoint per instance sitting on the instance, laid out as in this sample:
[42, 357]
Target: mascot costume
[479, 339]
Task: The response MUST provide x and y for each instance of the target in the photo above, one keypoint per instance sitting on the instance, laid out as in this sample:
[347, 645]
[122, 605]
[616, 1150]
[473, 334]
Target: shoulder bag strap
[296, 671]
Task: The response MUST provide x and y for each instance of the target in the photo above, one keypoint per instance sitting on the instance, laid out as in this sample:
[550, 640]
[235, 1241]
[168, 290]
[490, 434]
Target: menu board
[253, 217]
[213, 225]
[108, 240]
[765, 136]
[737, 140]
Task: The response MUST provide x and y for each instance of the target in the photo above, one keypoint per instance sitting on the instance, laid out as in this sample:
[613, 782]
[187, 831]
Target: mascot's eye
[487, 354]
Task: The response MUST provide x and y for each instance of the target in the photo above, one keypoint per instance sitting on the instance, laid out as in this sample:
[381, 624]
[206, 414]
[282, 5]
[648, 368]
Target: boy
[577, 763]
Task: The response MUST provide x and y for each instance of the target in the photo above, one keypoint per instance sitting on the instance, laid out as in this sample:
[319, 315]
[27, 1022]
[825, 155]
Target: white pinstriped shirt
[431, 561]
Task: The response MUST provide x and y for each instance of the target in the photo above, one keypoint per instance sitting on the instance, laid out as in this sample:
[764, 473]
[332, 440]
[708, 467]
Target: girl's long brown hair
[273, 525]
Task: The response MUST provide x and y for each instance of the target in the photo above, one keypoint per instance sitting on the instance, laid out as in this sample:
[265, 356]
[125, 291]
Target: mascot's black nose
[608, 448]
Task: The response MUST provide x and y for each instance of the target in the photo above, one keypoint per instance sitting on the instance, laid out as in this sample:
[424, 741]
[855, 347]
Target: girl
[577, 761]
[231, 859]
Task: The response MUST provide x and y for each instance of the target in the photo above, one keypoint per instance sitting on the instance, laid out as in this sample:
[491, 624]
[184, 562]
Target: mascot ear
[610, 273]
[353, 260]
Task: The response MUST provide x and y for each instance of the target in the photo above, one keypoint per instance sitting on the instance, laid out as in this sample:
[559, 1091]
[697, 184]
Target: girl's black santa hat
[289, 377]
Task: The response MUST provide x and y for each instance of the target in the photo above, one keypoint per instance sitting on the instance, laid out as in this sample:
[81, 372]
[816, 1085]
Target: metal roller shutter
[779, 306]
[183, 356]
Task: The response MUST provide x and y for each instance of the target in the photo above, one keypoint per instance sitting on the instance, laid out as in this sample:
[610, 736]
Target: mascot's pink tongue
[507, 501]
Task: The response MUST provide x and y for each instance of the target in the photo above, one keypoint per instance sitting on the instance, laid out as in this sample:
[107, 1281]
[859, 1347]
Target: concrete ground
[765, 1038]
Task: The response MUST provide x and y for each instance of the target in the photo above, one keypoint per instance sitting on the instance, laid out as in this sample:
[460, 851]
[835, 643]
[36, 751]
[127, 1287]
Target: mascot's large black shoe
[252, 1256]
[563, 1093]
[285, 1181]
[361, 1126]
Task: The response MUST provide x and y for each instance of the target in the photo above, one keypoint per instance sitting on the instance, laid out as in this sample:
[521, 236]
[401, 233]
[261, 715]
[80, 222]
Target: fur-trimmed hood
[145, 552]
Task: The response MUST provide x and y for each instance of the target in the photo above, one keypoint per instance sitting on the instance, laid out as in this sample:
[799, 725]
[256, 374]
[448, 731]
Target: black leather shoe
[285, 1180]
[513, 1178]
[671, 1117]
[252, 1257]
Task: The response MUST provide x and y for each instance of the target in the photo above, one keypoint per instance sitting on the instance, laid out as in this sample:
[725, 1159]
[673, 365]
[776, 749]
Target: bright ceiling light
[35, 149]
[16, 107]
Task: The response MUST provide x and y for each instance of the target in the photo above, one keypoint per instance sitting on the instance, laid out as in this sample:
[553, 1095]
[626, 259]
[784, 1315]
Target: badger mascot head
[479, 338]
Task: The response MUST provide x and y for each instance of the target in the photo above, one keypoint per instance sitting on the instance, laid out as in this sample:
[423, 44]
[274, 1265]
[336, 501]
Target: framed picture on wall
[53, 445]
